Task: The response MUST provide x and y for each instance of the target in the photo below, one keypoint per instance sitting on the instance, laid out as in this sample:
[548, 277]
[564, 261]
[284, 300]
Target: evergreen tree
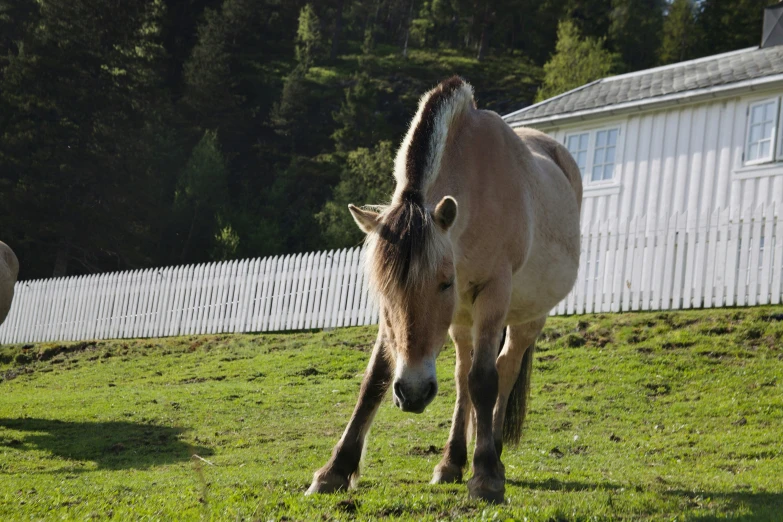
[367, 180]
[576, 61]
[226, 242]
[78, 99]
[679, 33]
[635, 31]
[201, 196]
[359, 122]
[297, 194]
[308, 37]
[289, 113]
[728, 26]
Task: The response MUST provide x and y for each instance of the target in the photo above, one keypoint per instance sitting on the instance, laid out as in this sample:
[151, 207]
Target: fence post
[777, 257]
[766, 259]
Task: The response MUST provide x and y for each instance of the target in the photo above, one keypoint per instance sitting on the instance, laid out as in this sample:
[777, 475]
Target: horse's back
[548, 147]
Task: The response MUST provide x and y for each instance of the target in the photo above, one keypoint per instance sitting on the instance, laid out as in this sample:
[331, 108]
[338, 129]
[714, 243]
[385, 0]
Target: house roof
[676, 81]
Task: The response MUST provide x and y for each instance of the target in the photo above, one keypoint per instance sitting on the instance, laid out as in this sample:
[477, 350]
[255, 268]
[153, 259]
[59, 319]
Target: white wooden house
[692, 141]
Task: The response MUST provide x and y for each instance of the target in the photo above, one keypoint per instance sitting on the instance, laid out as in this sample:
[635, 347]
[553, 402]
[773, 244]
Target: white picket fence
[302, 291]
[678, 261]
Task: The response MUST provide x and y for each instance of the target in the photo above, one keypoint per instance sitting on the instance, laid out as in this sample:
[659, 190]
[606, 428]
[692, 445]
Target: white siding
[682, 159]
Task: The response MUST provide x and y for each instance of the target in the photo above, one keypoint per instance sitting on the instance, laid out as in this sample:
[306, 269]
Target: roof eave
[655, 103]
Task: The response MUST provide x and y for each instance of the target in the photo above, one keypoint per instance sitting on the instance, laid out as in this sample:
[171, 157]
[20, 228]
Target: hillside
[167, 132]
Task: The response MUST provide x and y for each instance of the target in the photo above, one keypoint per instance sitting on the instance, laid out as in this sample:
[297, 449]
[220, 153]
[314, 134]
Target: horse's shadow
[111, 445]
[757, 505]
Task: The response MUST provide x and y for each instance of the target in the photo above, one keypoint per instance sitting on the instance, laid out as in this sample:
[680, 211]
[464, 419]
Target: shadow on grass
[111, 445]
[755, 507]
[559, 485]
[748, 506]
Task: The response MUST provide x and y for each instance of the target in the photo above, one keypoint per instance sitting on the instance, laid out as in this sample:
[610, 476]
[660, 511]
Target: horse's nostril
[432, 391]
[398, 391]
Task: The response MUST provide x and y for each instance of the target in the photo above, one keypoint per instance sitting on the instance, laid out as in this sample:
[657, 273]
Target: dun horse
[482, 233]
[9, 270]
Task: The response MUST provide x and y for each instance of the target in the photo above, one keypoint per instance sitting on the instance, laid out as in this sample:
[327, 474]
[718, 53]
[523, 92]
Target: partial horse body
[482, 233]
[9, 271]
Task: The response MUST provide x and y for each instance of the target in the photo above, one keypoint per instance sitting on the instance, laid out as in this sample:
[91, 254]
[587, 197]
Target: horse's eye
[445, 286]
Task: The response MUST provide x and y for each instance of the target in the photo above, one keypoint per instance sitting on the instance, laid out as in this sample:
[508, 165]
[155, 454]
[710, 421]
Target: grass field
[649, 416]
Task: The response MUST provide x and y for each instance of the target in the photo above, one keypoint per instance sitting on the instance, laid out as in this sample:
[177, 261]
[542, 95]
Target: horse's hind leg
[343, 466]
[455, 453]
[509, 364]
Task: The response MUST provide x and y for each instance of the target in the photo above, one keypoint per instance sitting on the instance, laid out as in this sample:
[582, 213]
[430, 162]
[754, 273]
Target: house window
[595, 153]
[603, 157]
[762, 127]
[577, 146]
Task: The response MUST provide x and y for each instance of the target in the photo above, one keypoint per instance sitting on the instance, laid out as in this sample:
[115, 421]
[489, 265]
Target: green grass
[650, 416]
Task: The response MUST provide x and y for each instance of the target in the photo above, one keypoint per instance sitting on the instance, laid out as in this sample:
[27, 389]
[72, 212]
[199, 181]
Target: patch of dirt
[657, 389]
[713, 354]
[48, 352]
[395, 511]
[561, 426]
[419, 451]
[718, 330]
[556, 453]
[308, 372]
[13, 373]
[671, 345]
[348, 505]
[195, 380]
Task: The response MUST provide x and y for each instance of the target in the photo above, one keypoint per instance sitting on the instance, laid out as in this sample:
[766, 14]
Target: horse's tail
[516, 408]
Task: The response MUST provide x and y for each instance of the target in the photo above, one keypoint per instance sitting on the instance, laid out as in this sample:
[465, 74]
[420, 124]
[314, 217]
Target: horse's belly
[539, 286]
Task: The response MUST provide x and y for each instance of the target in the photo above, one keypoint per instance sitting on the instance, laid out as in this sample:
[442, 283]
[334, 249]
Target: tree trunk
[338, 28]
[186, 246]
[62, 257]
[408, 30]
[482, 46]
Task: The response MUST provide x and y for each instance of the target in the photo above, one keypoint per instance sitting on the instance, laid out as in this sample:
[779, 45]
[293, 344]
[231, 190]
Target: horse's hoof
[327, 482]
[487, 488]
[446, 474]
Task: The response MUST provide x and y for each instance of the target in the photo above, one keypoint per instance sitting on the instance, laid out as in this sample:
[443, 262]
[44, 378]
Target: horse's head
[410, 264]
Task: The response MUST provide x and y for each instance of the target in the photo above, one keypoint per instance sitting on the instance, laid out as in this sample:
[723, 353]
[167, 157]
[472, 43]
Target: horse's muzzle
[413, 398]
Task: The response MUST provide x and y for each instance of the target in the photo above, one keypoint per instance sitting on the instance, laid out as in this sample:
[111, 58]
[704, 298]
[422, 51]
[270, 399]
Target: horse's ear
[366, 219]
[446, 212]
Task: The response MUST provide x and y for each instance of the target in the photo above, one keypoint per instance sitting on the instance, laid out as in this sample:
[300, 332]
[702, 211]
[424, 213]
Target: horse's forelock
[405, 248]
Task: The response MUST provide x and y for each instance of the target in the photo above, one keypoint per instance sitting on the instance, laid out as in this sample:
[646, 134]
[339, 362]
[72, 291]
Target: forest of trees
[141, 133]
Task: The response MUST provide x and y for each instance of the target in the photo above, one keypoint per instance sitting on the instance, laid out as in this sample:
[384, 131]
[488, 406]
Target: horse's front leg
[489, 313]
[455, 453]
[343, 466]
